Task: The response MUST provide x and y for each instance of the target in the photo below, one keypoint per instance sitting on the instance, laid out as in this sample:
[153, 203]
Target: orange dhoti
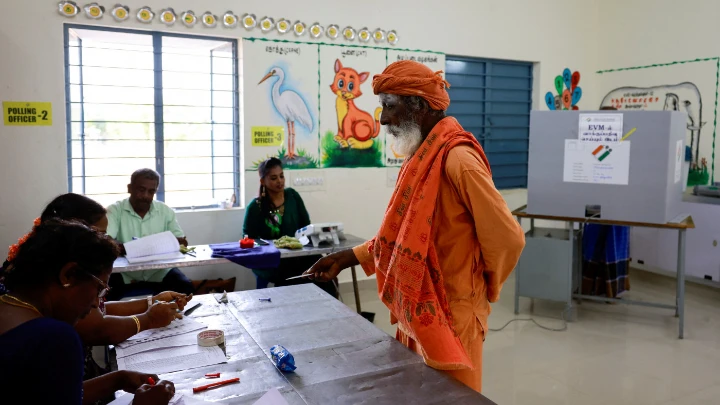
[471, 378]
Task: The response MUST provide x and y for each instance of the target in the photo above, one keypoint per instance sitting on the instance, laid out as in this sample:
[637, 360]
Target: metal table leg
[517, 276]
[357, 289]
[680, 297]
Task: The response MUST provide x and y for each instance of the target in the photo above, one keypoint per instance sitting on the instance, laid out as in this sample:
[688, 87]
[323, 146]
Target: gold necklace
[22, 304]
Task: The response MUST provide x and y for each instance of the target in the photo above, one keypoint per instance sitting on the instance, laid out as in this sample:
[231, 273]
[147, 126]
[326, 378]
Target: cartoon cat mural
[356, 128]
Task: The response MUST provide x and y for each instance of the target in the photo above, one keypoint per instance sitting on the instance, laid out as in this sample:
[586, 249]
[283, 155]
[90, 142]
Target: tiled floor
[612, 354]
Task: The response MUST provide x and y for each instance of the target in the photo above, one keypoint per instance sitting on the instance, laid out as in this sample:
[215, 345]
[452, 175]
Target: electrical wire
[562, 314]
[561, 329]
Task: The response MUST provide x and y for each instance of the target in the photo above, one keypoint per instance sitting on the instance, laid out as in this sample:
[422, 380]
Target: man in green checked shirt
[136, 217]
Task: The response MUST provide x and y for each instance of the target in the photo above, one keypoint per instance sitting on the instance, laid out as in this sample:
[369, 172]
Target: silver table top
[203, 256]
[341, 358]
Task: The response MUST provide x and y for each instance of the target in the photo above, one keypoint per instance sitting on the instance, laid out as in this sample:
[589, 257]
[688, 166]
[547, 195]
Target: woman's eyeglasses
[105, 288]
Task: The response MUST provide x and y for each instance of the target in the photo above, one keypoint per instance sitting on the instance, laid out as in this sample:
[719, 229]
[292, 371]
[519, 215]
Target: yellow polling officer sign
[267, 136]
[27, 113]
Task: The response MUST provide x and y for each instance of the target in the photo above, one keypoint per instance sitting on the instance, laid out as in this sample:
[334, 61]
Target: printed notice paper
[679, 158]
[600, 127]
[596, 162]
[27, 113]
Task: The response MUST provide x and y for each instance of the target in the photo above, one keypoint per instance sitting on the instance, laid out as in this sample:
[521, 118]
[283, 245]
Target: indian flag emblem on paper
[601, 152]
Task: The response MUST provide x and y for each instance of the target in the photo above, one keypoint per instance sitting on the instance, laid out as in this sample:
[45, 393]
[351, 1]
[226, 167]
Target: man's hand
[180, 299]
[162, 313]
[330, 266]
[122, 249]
[130, 381]
[183, 241]
[158, 394]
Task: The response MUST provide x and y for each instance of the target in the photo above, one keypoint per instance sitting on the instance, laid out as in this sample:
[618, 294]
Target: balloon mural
[568, 92]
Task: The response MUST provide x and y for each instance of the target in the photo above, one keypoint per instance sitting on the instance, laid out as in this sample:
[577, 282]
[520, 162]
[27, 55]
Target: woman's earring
[263, 192]
[66, 285]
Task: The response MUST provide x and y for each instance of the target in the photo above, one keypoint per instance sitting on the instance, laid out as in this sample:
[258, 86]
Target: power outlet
[308, 180]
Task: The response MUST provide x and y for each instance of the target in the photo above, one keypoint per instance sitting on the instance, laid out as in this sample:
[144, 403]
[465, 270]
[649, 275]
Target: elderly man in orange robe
[448, 241]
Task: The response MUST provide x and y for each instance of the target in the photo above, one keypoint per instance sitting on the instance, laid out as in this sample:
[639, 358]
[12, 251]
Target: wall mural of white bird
[291, 106]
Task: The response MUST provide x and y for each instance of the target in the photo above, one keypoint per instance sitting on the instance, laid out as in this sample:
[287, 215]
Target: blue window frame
[492, 99]
[165, 101]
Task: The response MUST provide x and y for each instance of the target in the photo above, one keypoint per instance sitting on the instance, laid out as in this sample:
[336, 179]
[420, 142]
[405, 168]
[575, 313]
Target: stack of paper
[172, 359]
[161, 246]
[178, 399]
[177, 327]
[168, 349]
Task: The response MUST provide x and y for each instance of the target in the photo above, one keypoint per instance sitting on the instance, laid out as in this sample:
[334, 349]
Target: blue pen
[135, 238]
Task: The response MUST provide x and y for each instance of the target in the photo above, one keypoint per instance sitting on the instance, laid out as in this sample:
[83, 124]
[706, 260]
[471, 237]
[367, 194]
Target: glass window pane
[119, 112]
[223, 180]
[74, 73]
[118, 77]
[182, 132]
[223, 148]
[224, 165]
[77, 186]
[223, 132]
[223, 98]
[108, 199]
[188, 148]
[222, 82]
[106, 184]
[77, 155]
[76, 131]
[180, 80]
[176, 165]
[75, 93]
[119, 95]
[119, 130]
[190, 115]
[77, 166]
[95, 149]
[183, 182]
[117, 58]
[197, 198]
[222, 65]
[117, 166]
[75, 112]
[187, 63]
[222, 115]
[73, 54]
[179, 97]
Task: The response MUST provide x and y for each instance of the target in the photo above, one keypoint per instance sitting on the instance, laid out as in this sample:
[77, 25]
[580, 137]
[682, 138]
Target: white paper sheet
[186, 339]
[160, 246]
[597, 163]
[178, 399]
[272, 397]
[600, 128]
[172, 359]
[679, 159]
[176, 327]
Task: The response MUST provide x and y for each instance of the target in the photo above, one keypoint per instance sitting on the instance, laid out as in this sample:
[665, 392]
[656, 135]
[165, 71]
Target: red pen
[151, 381]
[212, 375]
[213, 385]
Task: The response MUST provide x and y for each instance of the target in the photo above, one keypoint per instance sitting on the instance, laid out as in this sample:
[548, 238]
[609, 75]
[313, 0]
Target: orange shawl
[408, 273]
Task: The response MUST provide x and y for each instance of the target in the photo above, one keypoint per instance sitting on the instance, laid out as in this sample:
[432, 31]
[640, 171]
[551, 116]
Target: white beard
[408, 137]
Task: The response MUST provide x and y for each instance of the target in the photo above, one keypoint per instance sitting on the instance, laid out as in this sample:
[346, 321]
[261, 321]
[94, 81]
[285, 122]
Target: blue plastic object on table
[259, 257]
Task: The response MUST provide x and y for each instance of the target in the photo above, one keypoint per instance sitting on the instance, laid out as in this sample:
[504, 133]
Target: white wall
[553, 33]
[644, 32]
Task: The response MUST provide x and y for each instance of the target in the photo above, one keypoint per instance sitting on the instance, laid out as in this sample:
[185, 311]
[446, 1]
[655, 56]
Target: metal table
[681, 225]
[341, 358]
[203, 257]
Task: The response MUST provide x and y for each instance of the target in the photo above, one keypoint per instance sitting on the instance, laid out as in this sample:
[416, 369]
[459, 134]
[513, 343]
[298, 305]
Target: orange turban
[409, 78]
